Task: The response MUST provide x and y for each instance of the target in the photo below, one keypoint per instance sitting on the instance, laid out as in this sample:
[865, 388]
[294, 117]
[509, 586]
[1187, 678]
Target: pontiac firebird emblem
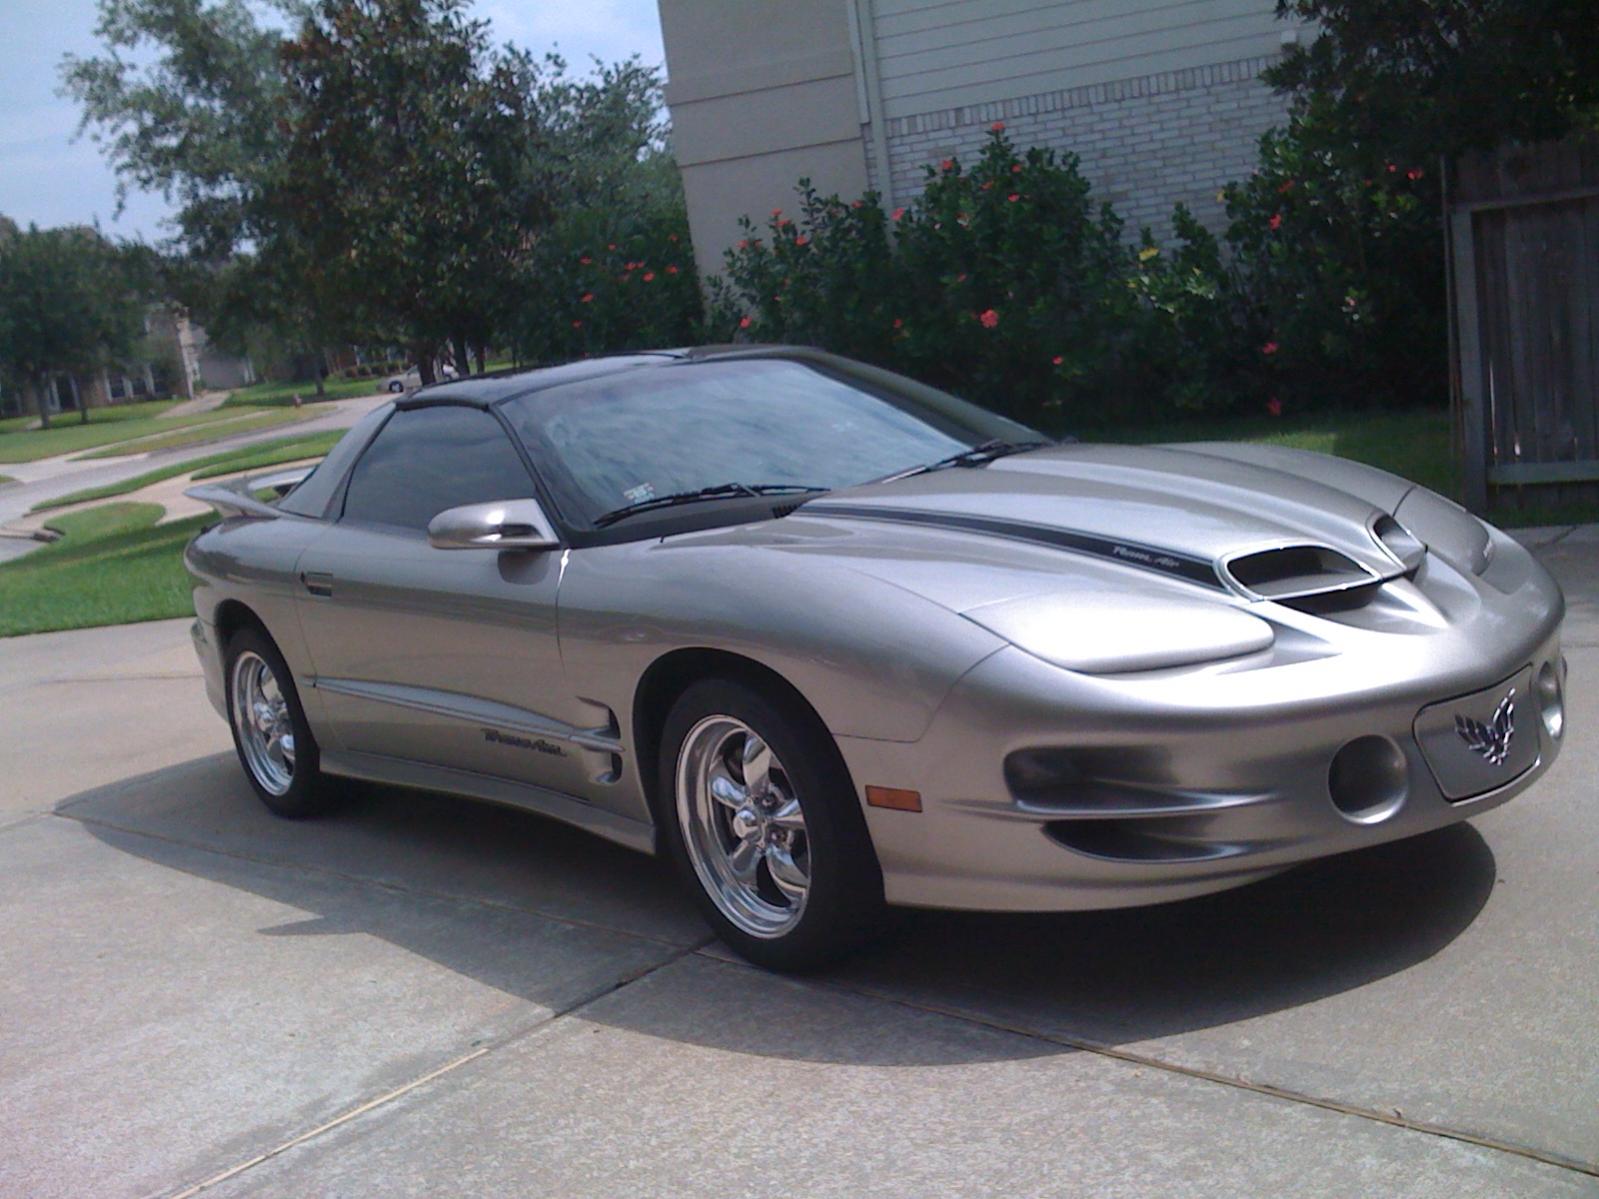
[1491, 740]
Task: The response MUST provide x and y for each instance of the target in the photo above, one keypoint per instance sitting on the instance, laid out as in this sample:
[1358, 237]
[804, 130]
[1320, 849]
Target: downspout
[869, 90]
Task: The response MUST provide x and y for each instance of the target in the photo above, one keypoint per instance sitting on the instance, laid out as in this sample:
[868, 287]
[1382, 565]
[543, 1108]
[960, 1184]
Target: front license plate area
[1479, 742]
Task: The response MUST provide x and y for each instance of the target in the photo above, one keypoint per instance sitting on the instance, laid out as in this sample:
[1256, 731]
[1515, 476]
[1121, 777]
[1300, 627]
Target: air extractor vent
[1300, 572]
[1400, 542]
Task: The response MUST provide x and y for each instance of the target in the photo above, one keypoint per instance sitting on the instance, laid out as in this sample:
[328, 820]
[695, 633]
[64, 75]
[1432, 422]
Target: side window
[429, 459]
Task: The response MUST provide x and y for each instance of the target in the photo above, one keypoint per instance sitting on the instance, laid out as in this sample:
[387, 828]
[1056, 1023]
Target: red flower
[776, 212]
[898, 212]
[649, 276]
[857, 203]
[577, 324]
[1269, 348]
[801, 240]
[588, 298]
[1015, 168]
[961, 278]
[898, 324]
[671, 237]
[1014, 196]
[1276, 221]
[585, 260]
[1057, 360]
[1286, 186]
[1392, 168]
[612, 246]
[1274, 406]
[988, 318]
[671, 270]
[997, 127]
[947, 165]
[743, 243]
[743, 322]
[989, 186]
[1413, 174]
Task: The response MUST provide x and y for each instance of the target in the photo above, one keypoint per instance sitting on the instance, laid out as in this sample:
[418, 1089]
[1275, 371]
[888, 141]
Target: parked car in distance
[834, 640]
[412, 379]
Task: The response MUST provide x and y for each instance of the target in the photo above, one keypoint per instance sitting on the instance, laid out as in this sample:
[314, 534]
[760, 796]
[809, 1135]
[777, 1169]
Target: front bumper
[1045, 790]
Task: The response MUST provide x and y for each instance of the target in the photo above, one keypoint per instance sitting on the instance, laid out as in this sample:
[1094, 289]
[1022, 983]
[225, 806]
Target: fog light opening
[1368, 780]
[1551, 702]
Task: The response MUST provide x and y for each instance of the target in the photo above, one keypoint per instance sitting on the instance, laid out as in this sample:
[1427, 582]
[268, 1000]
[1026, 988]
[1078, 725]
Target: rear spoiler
[237, 497]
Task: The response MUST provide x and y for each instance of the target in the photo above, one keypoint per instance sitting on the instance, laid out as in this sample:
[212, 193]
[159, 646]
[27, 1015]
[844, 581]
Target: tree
[187, 99]
[1414, 79]
[406, 174]
[68, 302]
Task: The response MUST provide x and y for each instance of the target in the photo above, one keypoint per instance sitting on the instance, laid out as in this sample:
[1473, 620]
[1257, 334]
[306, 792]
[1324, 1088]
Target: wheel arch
[665, 679]
[232, 615]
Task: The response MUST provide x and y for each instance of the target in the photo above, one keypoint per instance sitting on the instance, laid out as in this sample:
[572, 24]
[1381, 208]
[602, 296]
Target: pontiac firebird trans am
[834, 640]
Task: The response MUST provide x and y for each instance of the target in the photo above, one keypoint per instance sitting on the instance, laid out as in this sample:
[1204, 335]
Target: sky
[50, 176]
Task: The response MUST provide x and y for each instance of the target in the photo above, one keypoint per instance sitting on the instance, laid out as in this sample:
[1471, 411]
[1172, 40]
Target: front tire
[396, 387]
[270, 733]
[761, 818]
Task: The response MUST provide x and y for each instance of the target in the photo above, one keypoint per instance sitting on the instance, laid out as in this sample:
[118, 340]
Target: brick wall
[1145, 143]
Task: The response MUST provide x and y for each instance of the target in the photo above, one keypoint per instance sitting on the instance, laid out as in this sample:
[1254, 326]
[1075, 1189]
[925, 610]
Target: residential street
[424, 996]
[50, 477]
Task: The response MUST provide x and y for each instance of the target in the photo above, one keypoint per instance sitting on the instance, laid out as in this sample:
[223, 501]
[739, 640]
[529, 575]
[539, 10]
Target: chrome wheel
[262, 723]
[743, 826]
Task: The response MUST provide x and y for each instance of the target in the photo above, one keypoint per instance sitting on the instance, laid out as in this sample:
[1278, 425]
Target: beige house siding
[1160, 99]
[761, 93]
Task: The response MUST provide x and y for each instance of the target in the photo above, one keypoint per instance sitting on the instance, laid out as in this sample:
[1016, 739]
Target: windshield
[621, 439]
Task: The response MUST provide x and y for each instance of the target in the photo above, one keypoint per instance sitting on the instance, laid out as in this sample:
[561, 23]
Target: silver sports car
[834, 640]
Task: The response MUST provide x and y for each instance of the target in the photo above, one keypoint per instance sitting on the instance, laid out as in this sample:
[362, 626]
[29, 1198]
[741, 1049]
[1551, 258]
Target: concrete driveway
[420, 996]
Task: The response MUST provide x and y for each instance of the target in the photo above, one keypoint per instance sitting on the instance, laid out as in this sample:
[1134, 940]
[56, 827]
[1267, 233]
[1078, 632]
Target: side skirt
[400, 772]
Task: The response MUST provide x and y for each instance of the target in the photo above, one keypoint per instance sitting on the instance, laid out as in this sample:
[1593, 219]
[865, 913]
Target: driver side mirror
[496, 525]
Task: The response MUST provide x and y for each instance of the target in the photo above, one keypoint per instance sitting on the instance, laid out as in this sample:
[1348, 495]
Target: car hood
[1141, 511]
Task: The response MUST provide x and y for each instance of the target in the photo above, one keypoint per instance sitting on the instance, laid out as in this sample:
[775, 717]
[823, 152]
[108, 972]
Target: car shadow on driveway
[1109, 978]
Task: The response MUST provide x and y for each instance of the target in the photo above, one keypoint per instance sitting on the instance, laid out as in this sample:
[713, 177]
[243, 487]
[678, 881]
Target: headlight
[1109, 632]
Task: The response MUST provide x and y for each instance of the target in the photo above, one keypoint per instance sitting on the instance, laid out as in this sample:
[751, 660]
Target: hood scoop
[1309, 577]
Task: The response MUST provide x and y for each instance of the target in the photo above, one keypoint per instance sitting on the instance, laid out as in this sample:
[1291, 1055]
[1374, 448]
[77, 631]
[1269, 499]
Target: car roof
[483, 390]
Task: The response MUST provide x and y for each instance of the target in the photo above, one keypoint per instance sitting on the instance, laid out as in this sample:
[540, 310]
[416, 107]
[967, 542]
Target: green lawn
[272, 453]
[282, 394]
[68, 434]
[221, 423]
[133, 411]
[252, 457]
[4, 479]
[1412, 444]
[113, 566]
[337, 389]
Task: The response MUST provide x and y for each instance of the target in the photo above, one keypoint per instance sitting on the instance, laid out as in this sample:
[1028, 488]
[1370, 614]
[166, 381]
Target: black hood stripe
[1129, 553]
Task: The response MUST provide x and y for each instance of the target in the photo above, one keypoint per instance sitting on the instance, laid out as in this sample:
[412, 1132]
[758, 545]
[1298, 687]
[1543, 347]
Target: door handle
[317, 582]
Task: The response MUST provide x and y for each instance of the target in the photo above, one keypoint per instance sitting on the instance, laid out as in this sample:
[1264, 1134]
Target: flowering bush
[1330, 292]
[1006, 283]
[608, 279]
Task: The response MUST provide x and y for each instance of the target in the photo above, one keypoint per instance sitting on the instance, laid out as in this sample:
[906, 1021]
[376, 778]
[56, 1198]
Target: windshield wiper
[977, 455]
[718, 492]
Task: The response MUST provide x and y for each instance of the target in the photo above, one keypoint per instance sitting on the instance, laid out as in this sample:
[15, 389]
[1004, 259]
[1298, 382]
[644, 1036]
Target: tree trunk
[83, 404]
[321, 371]
[40, 389]
[480, 353]
[424, 363]
[463, 366]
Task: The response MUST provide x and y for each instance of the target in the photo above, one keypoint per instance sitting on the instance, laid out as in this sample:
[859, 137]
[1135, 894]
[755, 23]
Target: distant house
[1161, 98]
[175, 359]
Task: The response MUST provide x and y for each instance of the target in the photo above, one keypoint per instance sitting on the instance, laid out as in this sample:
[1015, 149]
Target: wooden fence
[1524, 271]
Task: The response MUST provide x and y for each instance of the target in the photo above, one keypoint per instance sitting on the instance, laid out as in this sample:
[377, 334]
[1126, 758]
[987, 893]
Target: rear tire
[761, 818]
[270, 733]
